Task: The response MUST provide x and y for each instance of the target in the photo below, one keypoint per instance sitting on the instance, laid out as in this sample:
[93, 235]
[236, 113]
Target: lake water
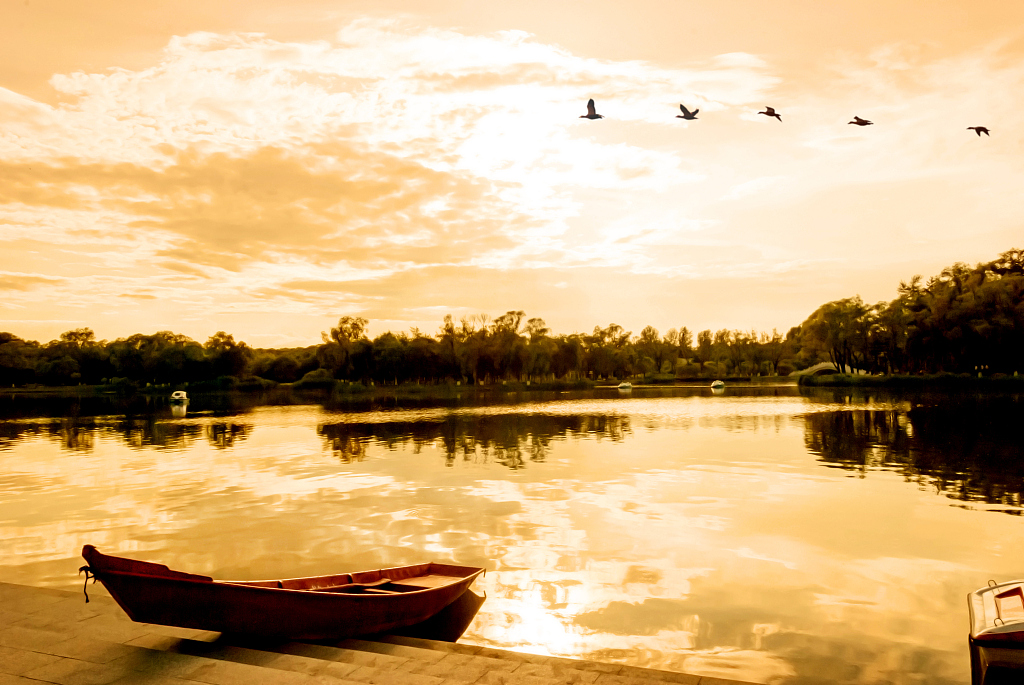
[760, 534]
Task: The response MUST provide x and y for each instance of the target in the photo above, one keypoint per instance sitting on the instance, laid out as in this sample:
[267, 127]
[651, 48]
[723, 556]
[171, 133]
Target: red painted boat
[317, 608]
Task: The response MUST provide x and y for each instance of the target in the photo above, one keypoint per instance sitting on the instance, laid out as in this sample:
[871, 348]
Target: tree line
[475, 350]
[963, 320]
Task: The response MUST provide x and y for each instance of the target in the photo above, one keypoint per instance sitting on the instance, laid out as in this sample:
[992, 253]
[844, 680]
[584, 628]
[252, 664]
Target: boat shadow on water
[450, 623]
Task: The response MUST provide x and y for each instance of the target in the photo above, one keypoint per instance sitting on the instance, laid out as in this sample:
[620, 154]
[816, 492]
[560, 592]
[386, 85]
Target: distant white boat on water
[625, 385]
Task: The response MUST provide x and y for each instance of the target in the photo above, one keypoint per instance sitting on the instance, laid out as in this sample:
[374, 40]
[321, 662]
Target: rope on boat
[88, 574]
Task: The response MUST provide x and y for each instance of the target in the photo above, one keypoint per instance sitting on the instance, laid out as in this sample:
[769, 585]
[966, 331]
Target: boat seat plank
[352, 587]
[426, 581]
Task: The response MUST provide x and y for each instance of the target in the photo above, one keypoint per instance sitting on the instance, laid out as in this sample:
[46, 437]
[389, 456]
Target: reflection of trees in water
[223, 435]
[509, 440]
[139, 433]
[13, 433]
[79, 434]
[74, 434]
[858, 440]
[71, 433]
[968, 449]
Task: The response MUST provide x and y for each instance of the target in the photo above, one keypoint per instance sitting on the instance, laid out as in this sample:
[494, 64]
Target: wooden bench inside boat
[370, 582]
[426, 581]
[389, 586]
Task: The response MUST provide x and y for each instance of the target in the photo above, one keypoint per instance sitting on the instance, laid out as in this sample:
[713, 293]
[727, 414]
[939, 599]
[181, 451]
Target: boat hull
[319, 611]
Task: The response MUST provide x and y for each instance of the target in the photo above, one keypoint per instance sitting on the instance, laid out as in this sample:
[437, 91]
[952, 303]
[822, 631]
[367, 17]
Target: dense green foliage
[963, 320]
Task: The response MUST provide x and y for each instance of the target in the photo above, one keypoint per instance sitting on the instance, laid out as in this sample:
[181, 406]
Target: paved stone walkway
[53, 636]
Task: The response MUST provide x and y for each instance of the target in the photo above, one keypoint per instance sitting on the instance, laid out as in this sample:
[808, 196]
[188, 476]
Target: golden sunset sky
[263, 167]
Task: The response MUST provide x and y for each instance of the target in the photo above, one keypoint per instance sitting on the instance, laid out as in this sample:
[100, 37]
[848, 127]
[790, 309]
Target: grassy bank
[939, 380]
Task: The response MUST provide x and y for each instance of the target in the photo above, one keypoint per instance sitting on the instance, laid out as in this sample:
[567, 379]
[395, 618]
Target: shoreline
[342, 390]
[356, 388]
[931, 381]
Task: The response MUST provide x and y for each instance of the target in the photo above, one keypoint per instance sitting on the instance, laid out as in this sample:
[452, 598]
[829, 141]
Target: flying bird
[978, 129]
[687, 114]
[770, 111]
[591, 111]
[860, 122]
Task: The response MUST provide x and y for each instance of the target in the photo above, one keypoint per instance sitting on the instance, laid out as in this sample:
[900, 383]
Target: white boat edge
[982, 606]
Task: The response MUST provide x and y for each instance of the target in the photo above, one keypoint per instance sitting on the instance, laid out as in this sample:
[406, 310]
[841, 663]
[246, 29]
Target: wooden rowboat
[317, 608]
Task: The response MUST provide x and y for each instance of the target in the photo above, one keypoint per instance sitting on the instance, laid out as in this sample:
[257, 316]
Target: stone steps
[52, 636]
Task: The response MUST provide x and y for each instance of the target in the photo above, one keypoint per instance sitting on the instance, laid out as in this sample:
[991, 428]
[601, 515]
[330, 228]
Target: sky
[266, 167]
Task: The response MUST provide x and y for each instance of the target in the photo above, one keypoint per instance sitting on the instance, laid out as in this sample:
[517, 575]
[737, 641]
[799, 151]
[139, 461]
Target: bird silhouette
[978, 129]
[860, 122]
[687, 114]
[770, 111]
[591, 111]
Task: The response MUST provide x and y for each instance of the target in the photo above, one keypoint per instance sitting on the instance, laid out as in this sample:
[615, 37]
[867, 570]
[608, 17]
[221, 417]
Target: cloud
[23, 282]
[184, 268]
[17, 107]
[393, 146]
[342, 204]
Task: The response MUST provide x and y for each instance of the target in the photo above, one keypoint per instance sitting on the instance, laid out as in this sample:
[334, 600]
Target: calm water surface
[761, 534]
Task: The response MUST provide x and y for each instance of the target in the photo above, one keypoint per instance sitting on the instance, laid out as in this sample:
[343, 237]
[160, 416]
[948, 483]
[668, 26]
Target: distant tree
[840, 329]
[536, 329]
[721, 353]
[568, 358]
[227, 357]
[685, 342]
[91, 357]
[450, 337]
[423, 358]
[18, 360]
[336, 354]
[348, 330]
[389, 358]
[774, 350]
[509, 322]
[284, 369]
[705, 347]
[649, 350]
[78, 337]
[506, 349]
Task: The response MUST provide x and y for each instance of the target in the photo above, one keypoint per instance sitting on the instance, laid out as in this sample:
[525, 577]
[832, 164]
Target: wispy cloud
[22, 282]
